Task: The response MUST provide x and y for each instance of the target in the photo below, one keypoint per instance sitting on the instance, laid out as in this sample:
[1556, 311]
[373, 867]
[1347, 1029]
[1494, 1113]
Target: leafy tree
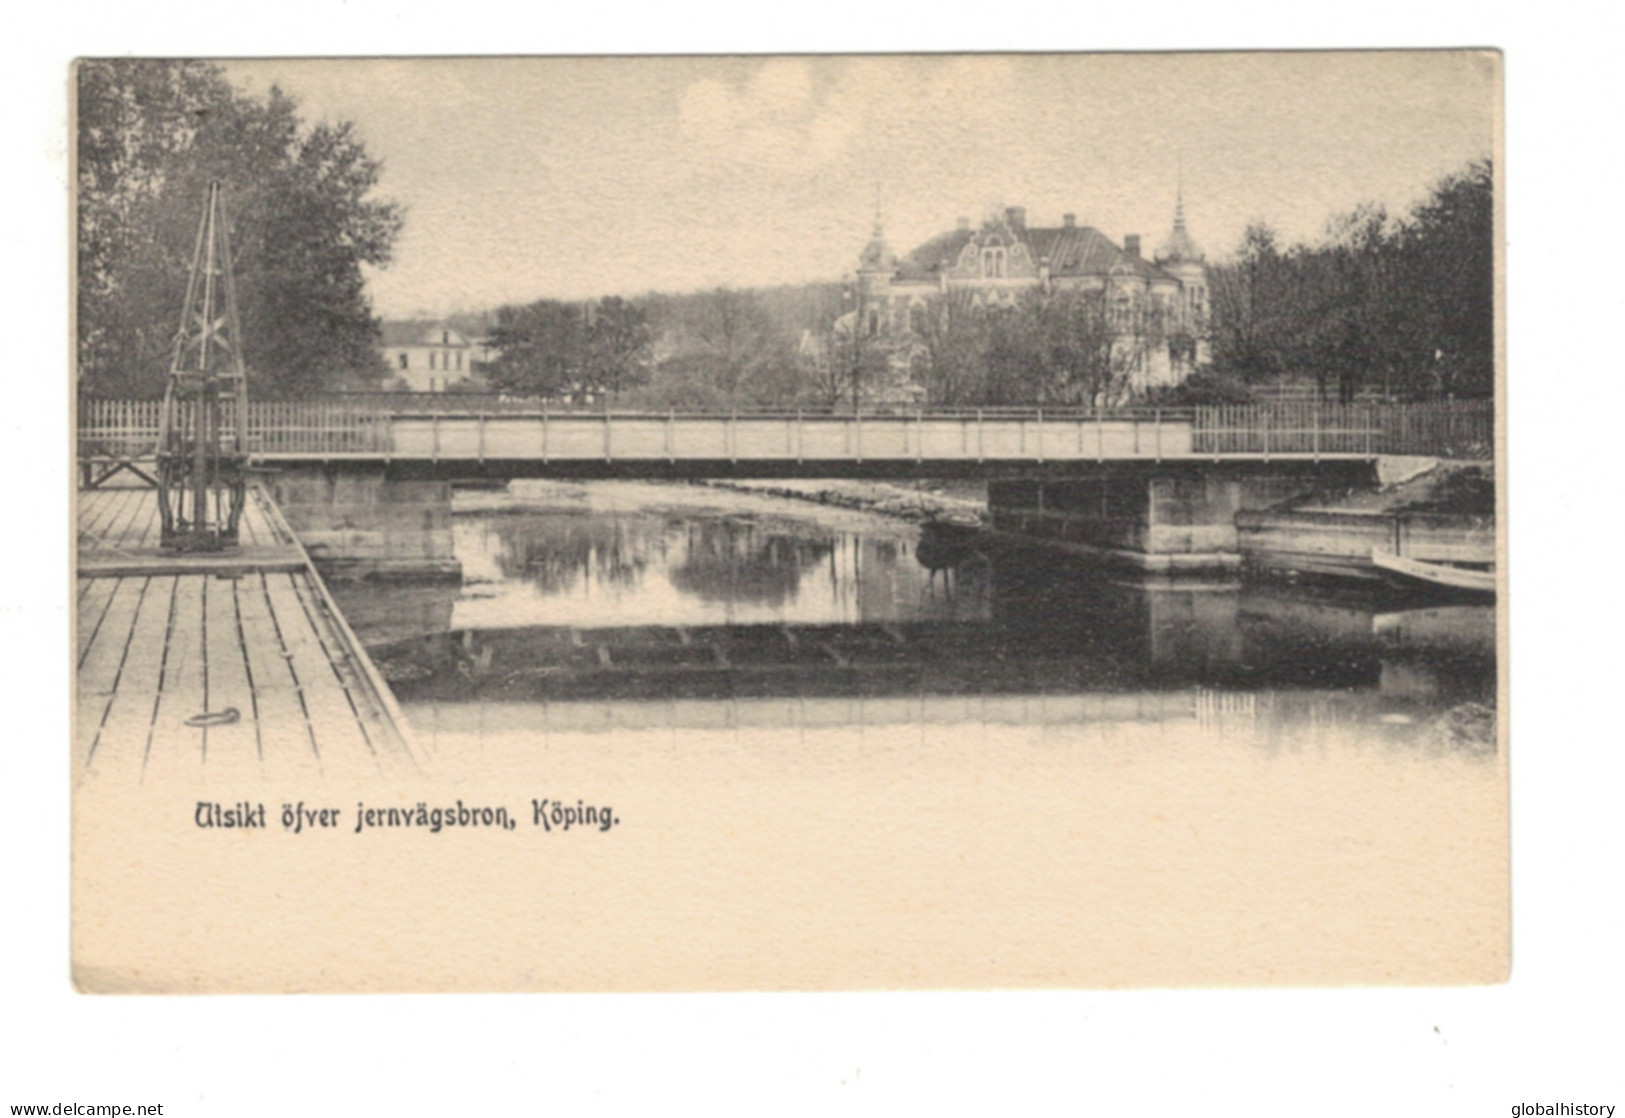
[617, 345]
[1448, 251]
[952, 359]
[1405, 305]
[1089, 343]
[541, 349]
[152, 135]
[1253, 302]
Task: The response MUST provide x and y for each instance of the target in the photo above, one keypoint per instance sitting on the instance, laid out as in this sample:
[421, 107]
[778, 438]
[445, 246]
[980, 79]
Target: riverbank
[1417, 485]
[1433, 512]
[927, 501]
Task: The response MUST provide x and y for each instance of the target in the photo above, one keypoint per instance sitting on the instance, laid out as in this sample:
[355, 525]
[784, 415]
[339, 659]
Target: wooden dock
[217, 669]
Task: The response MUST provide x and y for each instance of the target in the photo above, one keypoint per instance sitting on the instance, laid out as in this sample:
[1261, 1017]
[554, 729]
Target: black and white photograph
[974, 521]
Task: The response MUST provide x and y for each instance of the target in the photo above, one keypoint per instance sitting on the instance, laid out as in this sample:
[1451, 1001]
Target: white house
[427, 356]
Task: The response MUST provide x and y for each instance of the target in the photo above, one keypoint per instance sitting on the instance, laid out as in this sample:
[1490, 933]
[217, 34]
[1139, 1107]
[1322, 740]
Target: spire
[877, 255]
[1180, 246]
[1179, 197]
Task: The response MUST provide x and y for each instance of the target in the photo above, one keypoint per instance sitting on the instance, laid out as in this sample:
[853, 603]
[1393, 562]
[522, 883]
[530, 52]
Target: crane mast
[203, 439]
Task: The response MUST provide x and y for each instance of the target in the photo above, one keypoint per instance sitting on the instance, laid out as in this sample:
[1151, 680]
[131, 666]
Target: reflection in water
[628, 554]
[638, 593]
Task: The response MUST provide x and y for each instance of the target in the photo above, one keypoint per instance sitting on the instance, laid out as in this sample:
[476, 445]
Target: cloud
[774, 122]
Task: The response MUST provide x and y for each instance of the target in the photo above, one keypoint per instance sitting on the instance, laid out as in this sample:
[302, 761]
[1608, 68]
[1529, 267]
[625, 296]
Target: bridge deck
[164, 639]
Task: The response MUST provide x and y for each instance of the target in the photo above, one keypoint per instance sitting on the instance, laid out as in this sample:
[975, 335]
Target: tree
[541, 349]
[616, 345]
[152, 135]
[1253, 304]
[1078, 345]
[1403, 304]
[1447, 254]
[721, 348]
[952, 343]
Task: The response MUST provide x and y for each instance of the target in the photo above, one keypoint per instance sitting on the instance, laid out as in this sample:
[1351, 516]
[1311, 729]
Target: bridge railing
[1441, 428]
[130, 428]
[335, 425]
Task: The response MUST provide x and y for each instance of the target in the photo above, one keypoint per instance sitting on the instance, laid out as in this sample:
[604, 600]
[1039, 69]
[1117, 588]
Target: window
[459, 361]
[403, 359]
[993, 263]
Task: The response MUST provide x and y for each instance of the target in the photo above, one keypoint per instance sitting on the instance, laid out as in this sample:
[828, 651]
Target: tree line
[815, 345]
[1398, 305]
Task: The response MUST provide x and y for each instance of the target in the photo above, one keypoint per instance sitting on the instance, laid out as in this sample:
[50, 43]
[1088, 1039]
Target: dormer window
[993, 263]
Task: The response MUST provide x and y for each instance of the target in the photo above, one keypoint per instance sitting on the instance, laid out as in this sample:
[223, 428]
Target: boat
[1443, 575]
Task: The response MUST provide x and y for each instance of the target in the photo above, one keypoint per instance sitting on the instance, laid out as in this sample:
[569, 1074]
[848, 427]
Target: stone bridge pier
[357, 521]
[1159, 518]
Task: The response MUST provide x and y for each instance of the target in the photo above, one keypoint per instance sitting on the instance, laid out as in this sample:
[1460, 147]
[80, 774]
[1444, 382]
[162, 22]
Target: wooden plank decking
[166, 640]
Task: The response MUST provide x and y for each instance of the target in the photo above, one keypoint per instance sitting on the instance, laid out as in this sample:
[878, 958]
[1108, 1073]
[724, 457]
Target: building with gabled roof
[426, 355]
[1006, 257]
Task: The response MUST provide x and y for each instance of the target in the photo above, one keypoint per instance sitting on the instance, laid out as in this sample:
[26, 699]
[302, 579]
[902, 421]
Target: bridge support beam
[358, 522]
[1161, 518]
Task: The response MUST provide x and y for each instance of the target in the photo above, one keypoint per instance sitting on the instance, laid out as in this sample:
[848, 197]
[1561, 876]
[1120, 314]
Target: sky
[579, 177]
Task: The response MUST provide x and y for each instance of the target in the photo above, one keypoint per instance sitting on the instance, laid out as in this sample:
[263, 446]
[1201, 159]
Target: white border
[1553, 1034]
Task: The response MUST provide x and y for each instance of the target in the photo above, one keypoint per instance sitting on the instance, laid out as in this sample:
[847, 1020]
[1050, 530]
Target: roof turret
[1180, 246]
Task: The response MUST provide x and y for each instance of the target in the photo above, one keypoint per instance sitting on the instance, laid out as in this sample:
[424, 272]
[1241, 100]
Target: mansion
[1155, 309]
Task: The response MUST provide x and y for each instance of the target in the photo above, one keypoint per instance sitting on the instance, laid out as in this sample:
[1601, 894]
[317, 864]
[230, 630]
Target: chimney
[964, 224]
[1016, 216]
[1069, 221]
[1131, 244]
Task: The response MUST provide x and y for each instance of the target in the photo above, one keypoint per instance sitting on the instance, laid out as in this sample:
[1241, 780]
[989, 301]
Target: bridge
[484, 437]
[366, 482]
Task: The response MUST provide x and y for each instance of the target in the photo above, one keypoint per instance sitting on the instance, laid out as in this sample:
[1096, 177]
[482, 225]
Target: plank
[265, 529]
[120, 749]
[99, 670]
[94, 596]
[176, 751]
[92, 528]
[340, 743]
[96, 506]
[111, 529]
[287, 747]
[232, 750]
[375, 722]
[129, 530]
[147, 537]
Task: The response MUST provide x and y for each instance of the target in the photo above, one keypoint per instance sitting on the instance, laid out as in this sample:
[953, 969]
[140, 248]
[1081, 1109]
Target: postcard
[789, 523]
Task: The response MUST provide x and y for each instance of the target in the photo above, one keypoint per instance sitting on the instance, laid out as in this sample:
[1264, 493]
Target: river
[1091, 780]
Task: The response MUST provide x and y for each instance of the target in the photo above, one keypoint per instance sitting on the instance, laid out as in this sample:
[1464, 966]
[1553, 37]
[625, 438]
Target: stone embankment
[1436, 512]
